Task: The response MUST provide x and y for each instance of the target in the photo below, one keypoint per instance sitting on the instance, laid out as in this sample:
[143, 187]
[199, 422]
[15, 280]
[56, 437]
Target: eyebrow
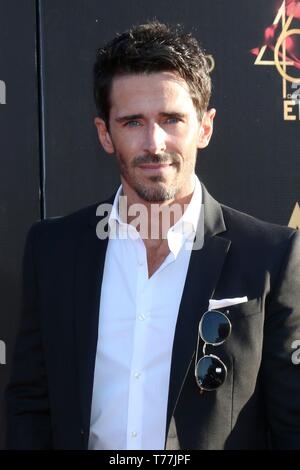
[131, 117]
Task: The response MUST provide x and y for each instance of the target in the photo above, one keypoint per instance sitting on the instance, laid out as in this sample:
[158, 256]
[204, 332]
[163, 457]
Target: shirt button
[137, 375]
[134, 434]
[142, 317]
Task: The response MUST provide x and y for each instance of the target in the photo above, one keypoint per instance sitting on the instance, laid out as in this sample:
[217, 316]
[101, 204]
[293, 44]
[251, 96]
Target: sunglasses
[214, 329]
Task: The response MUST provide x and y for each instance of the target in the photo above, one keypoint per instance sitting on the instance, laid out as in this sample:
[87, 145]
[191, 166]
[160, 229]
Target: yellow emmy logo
[284, 55]
[295, 218]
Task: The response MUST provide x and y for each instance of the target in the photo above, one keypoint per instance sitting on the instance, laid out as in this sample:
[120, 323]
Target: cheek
[186, 143]
[193, 133]
[188, 134]
[128, 144]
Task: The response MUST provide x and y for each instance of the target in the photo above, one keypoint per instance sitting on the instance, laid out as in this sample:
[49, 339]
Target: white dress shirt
[137, 320]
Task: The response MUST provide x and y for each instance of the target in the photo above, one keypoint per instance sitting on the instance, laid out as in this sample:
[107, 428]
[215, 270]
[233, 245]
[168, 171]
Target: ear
[103, 135]
[206, 128]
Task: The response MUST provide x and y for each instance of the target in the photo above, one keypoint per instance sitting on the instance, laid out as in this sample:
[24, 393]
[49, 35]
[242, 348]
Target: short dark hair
[149, 48]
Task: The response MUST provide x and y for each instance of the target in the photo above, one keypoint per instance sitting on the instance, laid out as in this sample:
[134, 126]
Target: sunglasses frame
[202, 389]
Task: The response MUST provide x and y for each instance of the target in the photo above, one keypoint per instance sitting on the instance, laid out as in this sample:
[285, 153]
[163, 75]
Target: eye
[173, 120]
[132, 124]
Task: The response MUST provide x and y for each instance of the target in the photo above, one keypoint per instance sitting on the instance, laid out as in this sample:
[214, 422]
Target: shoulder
[68, 226]
[242, 229]
[241, 224]
[266, 242]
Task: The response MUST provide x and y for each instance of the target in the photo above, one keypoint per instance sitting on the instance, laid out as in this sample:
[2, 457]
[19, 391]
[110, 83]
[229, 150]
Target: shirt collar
[184, 228]
[114, 215]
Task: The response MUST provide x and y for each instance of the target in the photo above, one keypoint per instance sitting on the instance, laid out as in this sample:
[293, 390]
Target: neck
[153, 219]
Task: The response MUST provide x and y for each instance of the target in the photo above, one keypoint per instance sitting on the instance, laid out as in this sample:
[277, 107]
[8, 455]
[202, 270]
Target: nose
[155, 141]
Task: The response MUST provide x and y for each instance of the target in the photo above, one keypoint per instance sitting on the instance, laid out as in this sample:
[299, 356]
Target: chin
[160, 193]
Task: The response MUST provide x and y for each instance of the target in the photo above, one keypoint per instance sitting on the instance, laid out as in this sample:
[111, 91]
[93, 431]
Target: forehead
[156, 92]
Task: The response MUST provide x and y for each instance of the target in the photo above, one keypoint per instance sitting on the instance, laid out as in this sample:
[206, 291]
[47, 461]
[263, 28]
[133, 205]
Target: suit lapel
[202, 277]
[88, 278]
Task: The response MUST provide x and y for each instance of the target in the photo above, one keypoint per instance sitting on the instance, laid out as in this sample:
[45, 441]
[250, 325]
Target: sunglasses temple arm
[196, 355]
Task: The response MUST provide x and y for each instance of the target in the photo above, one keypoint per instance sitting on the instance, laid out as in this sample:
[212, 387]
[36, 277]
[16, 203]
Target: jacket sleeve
[280, 367]
[27, 402]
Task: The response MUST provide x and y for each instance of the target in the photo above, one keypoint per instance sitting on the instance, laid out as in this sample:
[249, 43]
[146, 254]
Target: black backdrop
[50, 159]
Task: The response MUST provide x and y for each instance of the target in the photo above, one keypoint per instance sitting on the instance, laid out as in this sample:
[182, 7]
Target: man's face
[155, 132]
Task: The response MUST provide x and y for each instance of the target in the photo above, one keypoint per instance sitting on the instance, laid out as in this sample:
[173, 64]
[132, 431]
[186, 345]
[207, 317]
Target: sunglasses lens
[214, 327]
[210, 373]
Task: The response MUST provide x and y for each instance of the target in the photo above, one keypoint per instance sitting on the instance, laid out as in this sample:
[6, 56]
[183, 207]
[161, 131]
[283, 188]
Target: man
[117, 349]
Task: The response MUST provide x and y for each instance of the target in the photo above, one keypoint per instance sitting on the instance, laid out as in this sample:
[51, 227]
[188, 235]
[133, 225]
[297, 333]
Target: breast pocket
[244, 343]
[245, 309]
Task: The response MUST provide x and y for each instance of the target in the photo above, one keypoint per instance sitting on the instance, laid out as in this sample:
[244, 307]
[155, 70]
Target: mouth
[155, 167]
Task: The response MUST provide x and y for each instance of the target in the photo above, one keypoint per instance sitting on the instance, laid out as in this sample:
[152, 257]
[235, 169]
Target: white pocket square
[215, 304]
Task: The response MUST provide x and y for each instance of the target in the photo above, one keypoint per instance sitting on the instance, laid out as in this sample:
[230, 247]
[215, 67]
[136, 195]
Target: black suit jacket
[50, 391]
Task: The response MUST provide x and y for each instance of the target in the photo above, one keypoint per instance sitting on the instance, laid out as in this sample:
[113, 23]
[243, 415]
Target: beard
[160, 191]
